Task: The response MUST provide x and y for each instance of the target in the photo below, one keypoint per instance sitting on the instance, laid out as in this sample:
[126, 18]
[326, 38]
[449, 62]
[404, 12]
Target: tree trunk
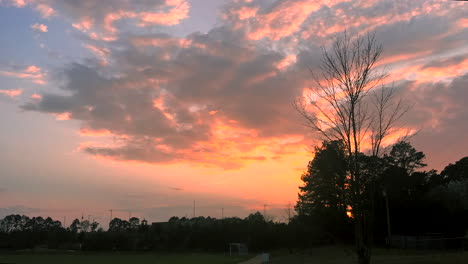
[364, 235]
[363, 241]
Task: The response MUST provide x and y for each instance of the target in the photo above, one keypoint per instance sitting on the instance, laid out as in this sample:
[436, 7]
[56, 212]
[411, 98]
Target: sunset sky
[148, 105]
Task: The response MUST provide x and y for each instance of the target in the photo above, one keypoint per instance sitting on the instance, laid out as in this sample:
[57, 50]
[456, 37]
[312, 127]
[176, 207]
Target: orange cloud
[438, 73]
[286, 62]
[63, 116]
[159, 104]
[421, 73]
[402, 58]
[39, 27]
[94, 133]
[11, 93]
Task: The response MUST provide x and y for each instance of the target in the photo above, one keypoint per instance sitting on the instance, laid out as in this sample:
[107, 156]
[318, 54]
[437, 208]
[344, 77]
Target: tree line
[177, 234]
[353, 191]
[408, 201]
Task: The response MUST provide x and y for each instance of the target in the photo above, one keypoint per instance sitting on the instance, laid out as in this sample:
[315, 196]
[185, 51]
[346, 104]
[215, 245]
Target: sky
[146, 106]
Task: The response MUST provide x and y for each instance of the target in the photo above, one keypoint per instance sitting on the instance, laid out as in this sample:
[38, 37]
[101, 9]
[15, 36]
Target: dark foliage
[419, 202]
[178, 234]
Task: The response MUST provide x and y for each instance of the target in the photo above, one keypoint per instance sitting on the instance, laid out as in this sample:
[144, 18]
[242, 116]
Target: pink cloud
[32, 69]
[161, 42]
[103, 19]
[19, 3]
[284, 20]
[245, 12]
[31, 72]
[39, 27]
[341, 20]
[179, 12]
[45, 10]
[36, 96]
[110, 18]
[101, 52]
[84, 24]
[11, 93]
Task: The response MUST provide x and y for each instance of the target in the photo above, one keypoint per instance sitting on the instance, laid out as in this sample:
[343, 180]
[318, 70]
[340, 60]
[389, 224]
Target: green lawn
[325, 255]
[335, 255]
[118, 258]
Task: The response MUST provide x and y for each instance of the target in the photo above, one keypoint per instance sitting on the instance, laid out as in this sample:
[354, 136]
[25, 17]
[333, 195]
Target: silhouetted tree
[134, 222]
[455, 172]
[118, 224]
[75, 226]
[323, 197]
[405, 156]
[344, 91]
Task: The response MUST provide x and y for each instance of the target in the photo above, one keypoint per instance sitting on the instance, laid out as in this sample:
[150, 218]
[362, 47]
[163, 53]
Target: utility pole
[129, 215]
[264, 210]
[193, 208]
[110, 215]
[289, 212]
[389, 230]
[65, 222]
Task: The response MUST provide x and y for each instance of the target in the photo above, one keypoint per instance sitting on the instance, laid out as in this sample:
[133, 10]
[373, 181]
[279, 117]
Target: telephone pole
[193, 208]
[110, 215]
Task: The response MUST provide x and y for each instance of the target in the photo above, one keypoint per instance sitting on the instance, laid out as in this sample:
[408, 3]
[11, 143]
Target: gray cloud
[224, 71]
[18, 209]
[440, 112]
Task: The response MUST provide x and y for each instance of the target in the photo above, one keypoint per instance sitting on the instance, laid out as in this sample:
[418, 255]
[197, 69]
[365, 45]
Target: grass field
[325, 255]
[340, 255]
[118, 259]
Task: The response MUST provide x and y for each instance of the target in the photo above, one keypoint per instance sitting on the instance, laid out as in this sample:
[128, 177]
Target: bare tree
[352, 104]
